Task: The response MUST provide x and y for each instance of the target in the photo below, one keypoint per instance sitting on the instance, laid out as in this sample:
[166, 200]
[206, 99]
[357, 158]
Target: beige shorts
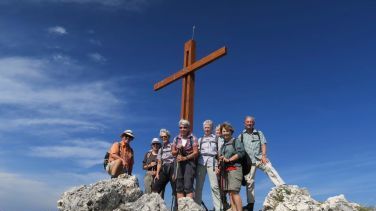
[109, 165]
[234, 180]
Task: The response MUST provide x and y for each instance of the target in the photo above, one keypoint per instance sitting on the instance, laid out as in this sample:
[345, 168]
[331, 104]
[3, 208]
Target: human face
[207, 129]
[249, 123]
[164, 137]
[218, 132]
[183, 129]
[127, 139]
[155, 146]
[226, 134]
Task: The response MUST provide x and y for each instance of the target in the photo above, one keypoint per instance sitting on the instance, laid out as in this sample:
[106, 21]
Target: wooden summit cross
[188, 75]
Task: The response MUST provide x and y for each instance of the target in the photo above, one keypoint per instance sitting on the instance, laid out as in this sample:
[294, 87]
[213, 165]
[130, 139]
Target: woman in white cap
[150, 164]
[121, 156]
[185, 148]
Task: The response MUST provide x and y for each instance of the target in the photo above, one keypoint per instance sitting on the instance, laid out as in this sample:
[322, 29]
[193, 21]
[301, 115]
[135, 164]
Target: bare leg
[236, 202]
[180, 195]
[190, 195]
[116, 168]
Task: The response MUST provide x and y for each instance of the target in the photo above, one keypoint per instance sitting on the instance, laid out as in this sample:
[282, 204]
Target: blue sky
[75, 73]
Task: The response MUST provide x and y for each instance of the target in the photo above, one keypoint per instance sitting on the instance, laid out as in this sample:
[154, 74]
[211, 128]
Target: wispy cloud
[58, 30]
[96, 57]
[35, 87]
[26, 82]
[39, 192]
[130, 5]
[95, 42]
[34, 194]
[84, 152]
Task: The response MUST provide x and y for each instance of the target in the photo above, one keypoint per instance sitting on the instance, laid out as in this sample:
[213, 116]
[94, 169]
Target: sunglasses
[183, 127]
[163, 136]
[155, 144]
[129, 137]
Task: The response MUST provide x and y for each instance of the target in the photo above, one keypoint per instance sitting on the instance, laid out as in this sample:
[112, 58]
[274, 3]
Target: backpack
[246, 161]
[190, 141]
[107, 157]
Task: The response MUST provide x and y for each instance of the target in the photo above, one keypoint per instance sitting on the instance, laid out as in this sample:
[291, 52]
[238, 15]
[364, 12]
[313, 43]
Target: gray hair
[218, 127]
[164, 131]
[251, 117]
[184, 122]
[208, 122]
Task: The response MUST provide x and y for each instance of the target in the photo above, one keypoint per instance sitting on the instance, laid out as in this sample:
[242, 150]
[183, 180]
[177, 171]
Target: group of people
[185, 162]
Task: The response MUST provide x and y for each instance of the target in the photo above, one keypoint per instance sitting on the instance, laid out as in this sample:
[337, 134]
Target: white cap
[155, 141]
[128, 133]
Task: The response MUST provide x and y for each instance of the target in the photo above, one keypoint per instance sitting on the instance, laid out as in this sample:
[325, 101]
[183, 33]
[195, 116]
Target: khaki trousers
[250, 178]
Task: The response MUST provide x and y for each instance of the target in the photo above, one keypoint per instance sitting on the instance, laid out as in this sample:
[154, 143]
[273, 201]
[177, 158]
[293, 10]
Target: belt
[231, 168]
[208, 154]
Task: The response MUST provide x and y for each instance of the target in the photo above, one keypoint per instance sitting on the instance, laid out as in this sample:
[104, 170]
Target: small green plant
[366, 208]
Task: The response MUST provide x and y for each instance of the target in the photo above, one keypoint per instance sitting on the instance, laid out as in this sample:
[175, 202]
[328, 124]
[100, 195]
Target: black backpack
[246, 161]
[107, 156]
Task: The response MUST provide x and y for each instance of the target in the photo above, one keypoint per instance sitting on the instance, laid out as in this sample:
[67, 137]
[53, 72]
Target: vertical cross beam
[188, 83]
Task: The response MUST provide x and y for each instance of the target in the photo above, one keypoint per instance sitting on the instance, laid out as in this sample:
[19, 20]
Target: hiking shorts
[109, 166]
[234, 180]
[185, 177]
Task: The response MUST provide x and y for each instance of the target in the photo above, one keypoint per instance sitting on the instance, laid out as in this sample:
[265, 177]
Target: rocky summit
[291, 197]
[124, 194]
[118, 194]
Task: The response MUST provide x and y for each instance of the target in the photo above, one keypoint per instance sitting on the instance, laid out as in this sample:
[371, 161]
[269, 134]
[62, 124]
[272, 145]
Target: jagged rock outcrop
[147, 202]
[291, 197]
[105, 195]
[124, 194]
[187, 204]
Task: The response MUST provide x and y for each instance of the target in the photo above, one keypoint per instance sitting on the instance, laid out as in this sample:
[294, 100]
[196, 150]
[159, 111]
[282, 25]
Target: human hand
[264, 160]
[152, 164]
[180, 158]
[217, 171]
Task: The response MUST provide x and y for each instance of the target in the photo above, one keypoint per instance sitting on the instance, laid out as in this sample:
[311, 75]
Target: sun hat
[155, 141]
[128, 133]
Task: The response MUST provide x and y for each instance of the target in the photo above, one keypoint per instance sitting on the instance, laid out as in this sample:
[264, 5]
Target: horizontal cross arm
[198, 64]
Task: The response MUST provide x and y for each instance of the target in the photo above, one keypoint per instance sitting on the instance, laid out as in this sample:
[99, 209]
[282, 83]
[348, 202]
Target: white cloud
[39, 192]
[85, 152]
[97, 57]
[95, 42]
[134, 5]
[25, 82]
[58, 30]
[36, 87]
[20, 193]
[63, 59]
[130, 5]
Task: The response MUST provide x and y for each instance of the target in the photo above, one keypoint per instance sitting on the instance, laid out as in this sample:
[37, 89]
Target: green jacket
[227, 150]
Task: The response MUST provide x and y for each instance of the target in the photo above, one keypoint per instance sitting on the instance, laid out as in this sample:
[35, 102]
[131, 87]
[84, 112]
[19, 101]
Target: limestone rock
[291, 197]
[339, 203]
[105, 195]
[187, 204]
[147, 202]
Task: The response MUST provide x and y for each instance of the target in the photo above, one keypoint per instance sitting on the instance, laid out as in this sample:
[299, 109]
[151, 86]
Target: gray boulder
[291, 197]
[147, 202]
[187, 204]
[105, 195]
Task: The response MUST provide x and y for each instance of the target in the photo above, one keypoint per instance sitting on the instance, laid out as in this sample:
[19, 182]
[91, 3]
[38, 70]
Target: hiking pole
[222, 182]
[172, 202]
[203, 204]
[177, 167]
